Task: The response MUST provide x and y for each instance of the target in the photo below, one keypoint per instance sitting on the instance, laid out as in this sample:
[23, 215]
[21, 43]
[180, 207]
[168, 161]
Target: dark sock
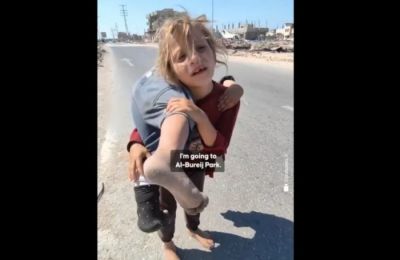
[150, 217]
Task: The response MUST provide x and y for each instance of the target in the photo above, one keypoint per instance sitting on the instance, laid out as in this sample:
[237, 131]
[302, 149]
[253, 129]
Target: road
[250, 214]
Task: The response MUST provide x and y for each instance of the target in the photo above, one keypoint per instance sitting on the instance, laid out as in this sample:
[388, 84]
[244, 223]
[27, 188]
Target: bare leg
[178, 183]
[174, 134]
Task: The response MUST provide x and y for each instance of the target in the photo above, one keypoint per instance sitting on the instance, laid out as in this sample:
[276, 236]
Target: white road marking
[127, 61]
[288, 108]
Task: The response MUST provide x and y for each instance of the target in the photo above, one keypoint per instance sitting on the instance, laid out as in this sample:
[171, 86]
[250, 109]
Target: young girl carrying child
[187, 58]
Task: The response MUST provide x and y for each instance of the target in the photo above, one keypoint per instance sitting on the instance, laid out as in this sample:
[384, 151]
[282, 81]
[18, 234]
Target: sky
[273, 13]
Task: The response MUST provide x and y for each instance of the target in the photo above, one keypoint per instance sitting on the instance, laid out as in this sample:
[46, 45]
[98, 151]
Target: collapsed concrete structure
[249, 32]
[286, 32]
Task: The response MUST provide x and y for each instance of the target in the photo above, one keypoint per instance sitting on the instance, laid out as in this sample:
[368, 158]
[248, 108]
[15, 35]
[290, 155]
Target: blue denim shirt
[150, 96]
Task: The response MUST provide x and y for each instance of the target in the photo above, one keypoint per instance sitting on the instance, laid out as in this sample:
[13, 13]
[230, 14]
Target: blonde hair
[179, 29]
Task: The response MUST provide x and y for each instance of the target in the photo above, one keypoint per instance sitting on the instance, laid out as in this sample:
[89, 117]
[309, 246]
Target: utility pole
[124, 13]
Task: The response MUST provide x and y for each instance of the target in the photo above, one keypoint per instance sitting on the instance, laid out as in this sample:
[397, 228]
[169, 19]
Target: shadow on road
[273, 239]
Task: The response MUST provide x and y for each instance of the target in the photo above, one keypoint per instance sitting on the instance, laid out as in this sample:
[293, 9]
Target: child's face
[194, 69]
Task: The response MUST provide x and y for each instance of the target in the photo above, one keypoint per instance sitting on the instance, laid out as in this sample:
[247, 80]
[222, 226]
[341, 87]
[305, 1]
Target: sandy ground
[118, 235]
[279, 61]
[104, 79]
[263, 56]
[113, 234]
[110, 172]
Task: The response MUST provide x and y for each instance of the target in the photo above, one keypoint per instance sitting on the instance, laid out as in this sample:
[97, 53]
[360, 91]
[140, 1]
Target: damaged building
[286, 32]
[249, 32]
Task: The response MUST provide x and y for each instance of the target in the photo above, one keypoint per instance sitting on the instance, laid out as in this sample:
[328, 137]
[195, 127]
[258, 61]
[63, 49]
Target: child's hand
[231, 97]
[137, 155]
[186, 106]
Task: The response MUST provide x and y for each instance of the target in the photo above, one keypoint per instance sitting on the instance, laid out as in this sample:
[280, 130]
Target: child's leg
[150, 217]
[168, 203]
[197, 178]
[166, 232]
[174, 135]
[177, 183]
[193, 221]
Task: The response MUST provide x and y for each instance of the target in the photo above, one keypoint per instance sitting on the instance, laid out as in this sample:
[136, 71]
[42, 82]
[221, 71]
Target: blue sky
[271, 12]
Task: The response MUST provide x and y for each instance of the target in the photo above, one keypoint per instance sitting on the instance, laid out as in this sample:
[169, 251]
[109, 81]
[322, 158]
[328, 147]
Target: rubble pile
[268, 50]
[236, 44]
[263, 55]
[274, 46]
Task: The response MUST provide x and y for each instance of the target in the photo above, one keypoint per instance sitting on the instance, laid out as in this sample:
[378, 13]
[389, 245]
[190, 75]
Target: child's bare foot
[202, 237]
[169, 249]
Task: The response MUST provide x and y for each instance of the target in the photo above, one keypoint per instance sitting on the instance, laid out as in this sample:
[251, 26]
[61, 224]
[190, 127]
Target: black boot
[150, 217]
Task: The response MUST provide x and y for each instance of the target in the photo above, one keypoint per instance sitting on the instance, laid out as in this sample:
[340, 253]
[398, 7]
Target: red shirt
[223, 122]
